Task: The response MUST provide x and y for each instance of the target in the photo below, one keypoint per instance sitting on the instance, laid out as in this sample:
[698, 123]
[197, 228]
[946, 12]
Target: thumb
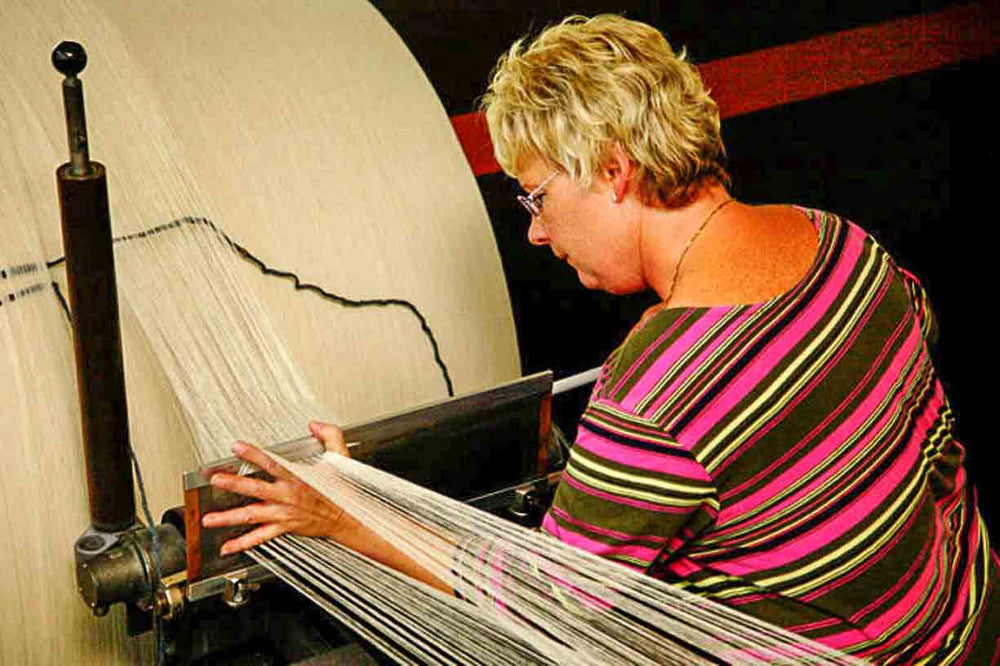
[331, 437]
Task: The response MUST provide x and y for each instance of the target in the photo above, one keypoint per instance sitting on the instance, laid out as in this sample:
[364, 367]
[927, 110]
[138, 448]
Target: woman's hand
[286, 504]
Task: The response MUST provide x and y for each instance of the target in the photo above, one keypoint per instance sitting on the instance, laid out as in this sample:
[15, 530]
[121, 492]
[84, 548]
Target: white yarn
[550, 602]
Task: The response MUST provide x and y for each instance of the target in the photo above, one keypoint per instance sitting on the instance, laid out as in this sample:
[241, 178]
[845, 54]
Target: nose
[536, 232]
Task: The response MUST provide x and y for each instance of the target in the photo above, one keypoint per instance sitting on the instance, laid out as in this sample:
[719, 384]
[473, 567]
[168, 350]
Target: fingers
[250, 487]
[254, 455]
[331, 436]
[287, 505]
[250, 514]
[252, 538]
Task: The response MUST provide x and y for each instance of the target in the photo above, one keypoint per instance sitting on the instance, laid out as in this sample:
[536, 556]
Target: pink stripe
[699, 361]
[683, 567]
[973, 639]
[925, 596]
[642, 459]
[736, 346]
[652, 348]
[807, 391]
[927, 586]
[670, 356]
[625, 501]
[811, 626]
[641, 553]
[844, 639]
[878, 557]
[603, 530]
[821, 452]
[958, 605]
[831, 492]
[917, 592]
[852, 515]
[779, 348]
[830, 418]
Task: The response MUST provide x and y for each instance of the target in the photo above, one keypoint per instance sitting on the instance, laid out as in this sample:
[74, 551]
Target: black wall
[913, 160]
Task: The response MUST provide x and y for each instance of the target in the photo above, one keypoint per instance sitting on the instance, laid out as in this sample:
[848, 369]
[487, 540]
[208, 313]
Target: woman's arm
[289, 506]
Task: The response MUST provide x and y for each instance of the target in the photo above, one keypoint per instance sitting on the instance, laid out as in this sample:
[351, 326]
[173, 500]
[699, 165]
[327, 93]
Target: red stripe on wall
[815, 67]
[475, 139]
[829, 63]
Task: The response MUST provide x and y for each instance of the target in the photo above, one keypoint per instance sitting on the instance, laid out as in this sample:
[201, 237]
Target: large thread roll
[308, 134]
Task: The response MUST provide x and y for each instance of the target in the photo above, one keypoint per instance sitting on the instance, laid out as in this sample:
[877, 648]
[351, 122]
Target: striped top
[794, 459]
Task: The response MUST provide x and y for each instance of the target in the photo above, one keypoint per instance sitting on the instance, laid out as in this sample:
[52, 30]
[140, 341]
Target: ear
[617, 172]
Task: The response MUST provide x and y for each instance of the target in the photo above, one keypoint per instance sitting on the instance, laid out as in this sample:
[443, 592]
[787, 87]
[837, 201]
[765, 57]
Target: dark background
[912, 159]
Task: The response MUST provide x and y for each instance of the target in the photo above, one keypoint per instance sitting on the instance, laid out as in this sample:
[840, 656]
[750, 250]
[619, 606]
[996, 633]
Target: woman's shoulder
[670, 342]
[652, 352]
[758, 254]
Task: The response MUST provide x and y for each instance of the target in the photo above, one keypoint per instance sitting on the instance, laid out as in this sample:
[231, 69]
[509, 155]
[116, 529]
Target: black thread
[13, 296]
[62, 302]
[249, 257]
[31, 289]
[18, 270]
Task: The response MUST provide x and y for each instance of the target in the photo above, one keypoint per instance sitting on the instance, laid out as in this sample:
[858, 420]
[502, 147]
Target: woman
[772, 435]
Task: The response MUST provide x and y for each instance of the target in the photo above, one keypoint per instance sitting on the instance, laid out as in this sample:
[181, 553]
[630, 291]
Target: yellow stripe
[635, 494]
[975, 603]
[884, 535]
[807, 571]
[862, 457]
[681, 364]
[639, 479]
[652, 438]
[681, 393]
[839, 328]
[915, 486]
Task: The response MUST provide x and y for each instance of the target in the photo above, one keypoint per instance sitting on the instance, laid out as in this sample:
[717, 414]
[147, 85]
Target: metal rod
[573, 381]
[70, 59]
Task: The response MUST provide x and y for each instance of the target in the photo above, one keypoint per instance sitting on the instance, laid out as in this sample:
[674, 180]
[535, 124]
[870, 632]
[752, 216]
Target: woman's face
[585, 228]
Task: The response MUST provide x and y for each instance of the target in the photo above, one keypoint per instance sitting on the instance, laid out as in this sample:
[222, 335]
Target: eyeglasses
[532, 202]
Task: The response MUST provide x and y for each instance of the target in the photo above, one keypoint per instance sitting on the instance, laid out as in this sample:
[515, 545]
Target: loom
[337, 189]
[495, 449]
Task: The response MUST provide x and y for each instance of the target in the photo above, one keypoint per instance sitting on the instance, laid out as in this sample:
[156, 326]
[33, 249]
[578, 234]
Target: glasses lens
[530, 205]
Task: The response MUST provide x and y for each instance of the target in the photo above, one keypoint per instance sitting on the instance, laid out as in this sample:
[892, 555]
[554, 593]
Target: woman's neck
[668, 236]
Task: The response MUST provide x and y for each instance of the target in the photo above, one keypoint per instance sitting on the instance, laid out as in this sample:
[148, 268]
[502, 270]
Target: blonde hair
[586, 85]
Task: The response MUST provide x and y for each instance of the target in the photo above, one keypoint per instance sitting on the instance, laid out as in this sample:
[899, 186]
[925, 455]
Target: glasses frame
[530, 201]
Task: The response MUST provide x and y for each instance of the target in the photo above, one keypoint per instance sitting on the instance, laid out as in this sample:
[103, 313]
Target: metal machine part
[128, 571]
[70, 58]
[117, 559]
[93, 296]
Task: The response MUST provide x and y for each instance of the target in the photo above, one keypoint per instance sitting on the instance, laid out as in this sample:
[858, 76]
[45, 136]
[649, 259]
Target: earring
[614, 197]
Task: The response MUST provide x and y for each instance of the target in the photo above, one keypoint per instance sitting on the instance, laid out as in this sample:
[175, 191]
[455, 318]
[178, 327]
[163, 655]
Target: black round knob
[69, 58]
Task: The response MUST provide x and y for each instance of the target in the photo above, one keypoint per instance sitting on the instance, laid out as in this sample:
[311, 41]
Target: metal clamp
[238, 588]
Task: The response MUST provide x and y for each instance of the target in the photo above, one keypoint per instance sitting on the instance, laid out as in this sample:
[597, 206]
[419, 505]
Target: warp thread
[297, 283]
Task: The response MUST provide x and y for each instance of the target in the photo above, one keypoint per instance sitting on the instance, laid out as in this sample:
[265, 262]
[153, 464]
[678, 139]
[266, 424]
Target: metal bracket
[238, 588]
[254, 575]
